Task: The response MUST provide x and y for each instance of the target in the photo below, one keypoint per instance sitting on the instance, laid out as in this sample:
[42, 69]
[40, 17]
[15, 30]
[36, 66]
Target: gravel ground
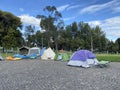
[56, 75]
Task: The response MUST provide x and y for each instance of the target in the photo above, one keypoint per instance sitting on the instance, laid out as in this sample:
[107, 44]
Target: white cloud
[21, 9]
[94, 23]
[62, 8]
[117, 9]
[67, 7]
[26, 19]
[69, 18]
[73, 7]
[110, 26]
[98, 7]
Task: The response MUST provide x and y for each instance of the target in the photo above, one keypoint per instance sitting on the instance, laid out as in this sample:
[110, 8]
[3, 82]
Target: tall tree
[118, 42]
[50, 22]
[100, 41]
[74, 29]
[29, 35]
[9, 29]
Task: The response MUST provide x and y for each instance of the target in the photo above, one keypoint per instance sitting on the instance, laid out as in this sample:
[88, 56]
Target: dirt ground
[55, 75]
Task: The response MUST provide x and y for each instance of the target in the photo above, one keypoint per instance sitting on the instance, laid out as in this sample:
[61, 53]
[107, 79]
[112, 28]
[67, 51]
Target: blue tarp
[25, 56]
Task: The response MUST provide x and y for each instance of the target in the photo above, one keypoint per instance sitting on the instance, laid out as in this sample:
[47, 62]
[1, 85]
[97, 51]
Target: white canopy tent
[48, 54]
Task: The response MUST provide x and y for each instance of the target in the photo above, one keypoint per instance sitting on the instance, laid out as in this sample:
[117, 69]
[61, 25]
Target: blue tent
[83, 58]
[42, 51]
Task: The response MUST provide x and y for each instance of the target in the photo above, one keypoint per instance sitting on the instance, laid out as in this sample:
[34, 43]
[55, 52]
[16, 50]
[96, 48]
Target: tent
[84, 58]
[48, 54]
[34, 50]
[1, 58]
[62, 57]
[24, 50]
[42, 51]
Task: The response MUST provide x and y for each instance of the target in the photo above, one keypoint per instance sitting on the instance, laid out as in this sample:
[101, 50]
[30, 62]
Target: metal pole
[91, 44]
[42, 41]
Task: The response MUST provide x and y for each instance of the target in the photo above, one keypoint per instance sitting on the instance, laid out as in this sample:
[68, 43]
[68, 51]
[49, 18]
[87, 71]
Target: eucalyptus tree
[29, 35]
[49, 23]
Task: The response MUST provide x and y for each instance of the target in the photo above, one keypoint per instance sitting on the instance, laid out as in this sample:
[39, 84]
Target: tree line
[58, 36]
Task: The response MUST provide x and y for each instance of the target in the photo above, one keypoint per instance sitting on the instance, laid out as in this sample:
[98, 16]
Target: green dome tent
[62, 56]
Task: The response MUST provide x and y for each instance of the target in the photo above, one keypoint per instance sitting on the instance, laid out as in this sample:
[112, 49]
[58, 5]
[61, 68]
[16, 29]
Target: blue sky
[105, 13]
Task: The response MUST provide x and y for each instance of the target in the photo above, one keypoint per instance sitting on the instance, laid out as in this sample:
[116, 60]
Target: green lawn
[105, 57]
[108, 57]
[6, 54]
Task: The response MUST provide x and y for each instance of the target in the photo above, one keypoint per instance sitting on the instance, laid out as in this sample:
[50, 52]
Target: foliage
[51, 22]
[29, 35]
[118, 44]
[10, 36]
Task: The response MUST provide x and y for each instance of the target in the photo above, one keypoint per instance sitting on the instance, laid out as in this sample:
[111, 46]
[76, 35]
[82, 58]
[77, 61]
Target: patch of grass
[108, 57]
[4, 55]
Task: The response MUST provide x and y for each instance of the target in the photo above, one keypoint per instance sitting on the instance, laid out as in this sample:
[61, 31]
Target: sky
[105, 13]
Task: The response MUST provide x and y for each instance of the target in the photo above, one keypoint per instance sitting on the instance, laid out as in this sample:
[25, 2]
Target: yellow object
[10, 58]
[17, 58]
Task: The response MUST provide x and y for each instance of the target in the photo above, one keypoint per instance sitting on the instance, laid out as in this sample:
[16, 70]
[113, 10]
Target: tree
[85, 33]
[118, 42]
[74, 29]
[9, 30]
[115, 47]
[50, 23]
[29, 35]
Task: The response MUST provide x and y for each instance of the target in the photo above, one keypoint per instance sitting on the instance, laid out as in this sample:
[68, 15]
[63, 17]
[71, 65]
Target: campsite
[59, 45]
[47, 73]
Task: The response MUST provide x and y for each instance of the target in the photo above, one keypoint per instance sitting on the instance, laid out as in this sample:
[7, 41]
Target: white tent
[34, 50]
[48, 54]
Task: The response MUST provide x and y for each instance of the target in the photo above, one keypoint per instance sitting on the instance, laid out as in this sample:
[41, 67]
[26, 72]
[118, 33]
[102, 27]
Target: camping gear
[63, 57]
[34, 50]
[103, 64]
[21, 56]
[83, 58]
[24, 50]
[42, 51]
[10, 58]
[48, 54]
[59, 56]
[1, 58]
[32, 56]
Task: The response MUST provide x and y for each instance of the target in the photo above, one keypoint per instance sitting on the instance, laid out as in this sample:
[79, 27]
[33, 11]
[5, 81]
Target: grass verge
[108, 57]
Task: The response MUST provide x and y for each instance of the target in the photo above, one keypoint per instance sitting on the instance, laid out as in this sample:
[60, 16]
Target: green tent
[62, 56]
